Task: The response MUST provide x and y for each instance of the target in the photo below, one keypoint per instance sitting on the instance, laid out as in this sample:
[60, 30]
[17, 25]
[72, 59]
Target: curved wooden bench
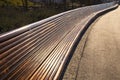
[39, 51]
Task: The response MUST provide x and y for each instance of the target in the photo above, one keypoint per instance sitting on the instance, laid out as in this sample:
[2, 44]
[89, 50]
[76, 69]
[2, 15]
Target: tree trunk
[65, 3]
[72, 3]
[25, 4]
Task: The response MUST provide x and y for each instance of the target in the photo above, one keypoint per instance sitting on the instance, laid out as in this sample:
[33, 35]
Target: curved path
[100, 55]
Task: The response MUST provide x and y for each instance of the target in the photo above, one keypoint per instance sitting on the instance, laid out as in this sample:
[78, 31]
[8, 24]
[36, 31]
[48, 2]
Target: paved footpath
[99, 57]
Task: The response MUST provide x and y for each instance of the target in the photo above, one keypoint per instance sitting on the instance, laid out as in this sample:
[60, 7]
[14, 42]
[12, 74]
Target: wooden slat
[38, 51]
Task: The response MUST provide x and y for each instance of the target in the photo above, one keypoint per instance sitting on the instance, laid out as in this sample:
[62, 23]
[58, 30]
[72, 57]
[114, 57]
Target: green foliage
[16, 18]
[13, 3]
[13, 16]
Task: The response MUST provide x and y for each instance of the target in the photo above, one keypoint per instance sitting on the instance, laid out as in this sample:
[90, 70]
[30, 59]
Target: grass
[12, 18]
[12, 15]
[13, 3]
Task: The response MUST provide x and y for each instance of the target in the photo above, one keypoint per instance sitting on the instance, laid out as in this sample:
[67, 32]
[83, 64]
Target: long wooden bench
[39, 51]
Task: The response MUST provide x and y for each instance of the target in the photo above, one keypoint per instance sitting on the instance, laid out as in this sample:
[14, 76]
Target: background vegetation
[17, 13]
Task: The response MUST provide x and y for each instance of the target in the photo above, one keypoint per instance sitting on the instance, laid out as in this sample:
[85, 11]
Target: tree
[83, 1]
[65, 4]
[5, 2]
[25, 4]
[89, 2]
[97, 1]
[73, 2]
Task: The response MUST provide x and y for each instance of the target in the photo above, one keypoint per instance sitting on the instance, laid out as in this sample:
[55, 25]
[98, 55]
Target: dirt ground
[97, 56]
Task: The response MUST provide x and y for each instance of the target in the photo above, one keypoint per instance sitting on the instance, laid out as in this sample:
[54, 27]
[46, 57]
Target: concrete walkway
[100, 55]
